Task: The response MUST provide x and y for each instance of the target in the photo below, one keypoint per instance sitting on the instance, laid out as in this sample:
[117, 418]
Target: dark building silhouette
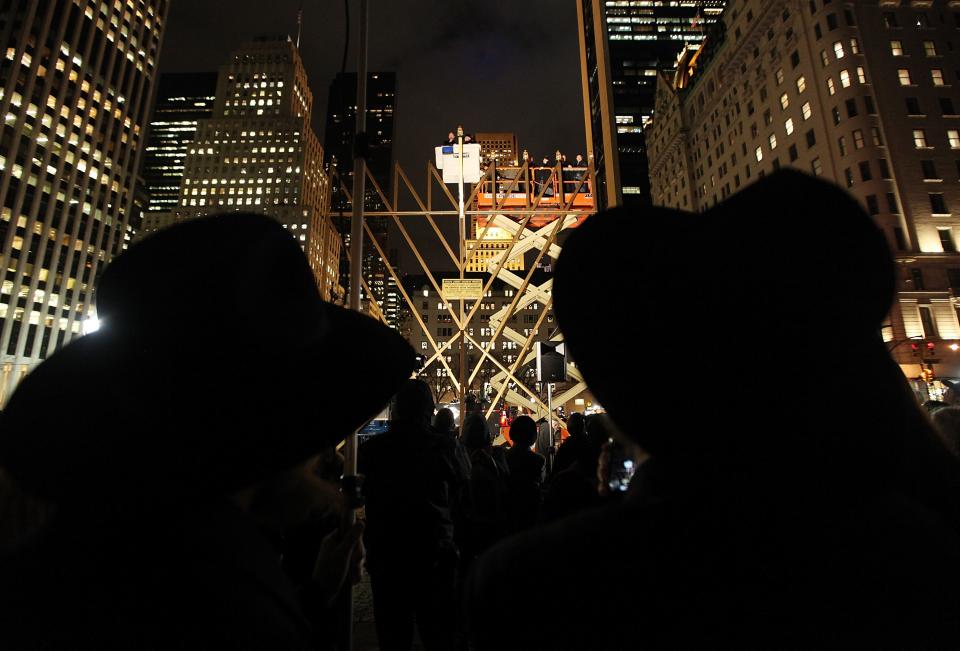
[182, 100]
[338, 145]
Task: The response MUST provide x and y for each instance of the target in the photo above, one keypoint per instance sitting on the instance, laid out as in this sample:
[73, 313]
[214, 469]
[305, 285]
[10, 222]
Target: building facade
[622, 45]
[501, 148]
[76, 78]
[182, 100]
[259, 153]
[862, 93]
[338, 143]
[436, 317]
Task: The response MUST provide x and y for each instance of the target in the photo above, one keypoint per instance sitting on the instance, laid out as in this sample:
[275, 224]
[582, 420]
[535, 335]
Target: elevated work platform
[528, 208]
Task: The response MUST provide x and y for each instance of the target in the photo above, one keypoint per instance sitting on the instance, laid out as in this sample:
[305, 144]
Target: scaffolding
[533, 206]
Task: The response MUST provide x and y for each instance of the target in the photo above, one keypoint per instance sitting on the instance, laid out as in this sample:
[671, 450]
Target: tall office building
[341, 129]
[259, 153]
[861, 93]
[75, 84]
[622, 45]
[499, 147]
[182, 100]
[338, 143]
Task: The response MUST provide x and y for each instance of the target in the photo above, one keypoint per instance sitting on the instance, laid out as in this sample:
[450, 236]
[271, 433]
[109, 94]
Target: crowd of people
[153, 504]
[437, 498]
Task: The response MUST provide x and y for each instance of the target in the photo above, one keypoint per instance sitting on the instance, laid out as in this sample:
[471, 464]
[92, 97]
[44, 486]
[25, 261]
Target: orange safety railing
[518, 187]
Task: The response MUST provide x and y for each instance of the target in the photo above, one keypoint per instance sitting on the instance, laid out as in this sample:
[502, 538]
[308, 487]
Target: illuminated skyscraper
[860, 93]
[622, 45]
[75, 84]
[182, 101]
[259, 153]
[500, 147]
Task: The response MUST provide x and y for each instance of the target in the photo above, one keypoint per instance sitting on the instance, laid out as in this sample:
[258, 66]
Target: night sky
[494, 65]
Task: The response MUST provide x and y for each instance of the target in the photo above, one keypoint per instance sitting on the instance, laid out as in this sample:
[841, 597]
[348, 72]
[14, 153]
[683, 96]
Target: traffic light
[915, 349]
[931, 348]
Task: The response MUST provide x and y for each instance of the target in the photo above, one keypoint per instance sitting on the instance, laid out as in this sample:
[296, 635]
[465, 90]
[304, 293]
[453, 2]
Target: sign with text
[467, 289]
[448, 161]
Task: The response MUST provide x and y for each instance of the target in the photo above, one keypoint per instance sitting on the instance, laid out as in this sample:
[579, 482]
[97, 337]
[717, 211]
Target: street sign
[466, 288]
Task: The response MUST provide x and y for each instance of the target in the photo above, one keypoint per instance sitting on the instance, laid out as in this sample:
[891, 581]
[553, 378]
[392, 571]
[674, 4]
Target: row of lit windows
[920, 139]
[241, 181]
[209, 151]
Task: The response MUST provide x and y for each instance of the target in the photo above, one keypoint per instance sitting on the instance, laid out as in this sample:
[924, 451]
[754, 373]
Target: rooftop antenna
[299, 23]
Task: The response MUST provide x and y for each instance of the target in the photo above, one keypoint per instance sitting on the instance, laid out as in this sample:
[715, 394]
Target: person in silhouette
[574, 488]
[488, 485]
[173, 459]
[573, 447]
[526, 475]
[788, 523]
[413, 486]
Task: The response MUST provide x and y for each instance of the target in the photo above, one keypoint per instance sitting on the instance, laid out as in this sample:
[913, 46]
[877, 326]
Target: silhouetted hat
[217, 364]
[652, 299]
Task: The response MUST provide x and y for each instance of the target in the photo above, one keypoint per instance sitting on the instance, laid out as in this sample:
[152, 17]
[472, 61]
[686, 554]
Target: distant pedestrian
[545, 444]
[526, 475]
[574, 487]
[571, 449]
[412, 489]
[488, 485]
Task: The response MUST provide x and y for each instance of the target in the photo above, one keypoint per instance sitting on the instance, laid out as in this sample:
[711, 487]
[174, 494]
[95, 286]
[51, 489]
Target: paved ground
[364, 629]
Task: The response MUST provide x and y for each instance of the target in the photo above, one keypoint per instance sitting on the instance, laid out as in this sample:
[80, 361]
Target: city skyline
[529, 57]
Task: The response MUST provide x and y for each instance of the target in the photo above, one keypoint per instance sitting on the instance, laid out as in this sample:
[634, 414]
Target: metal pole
[356, 262]
[356, 223]
[463, 264]
[549, 454]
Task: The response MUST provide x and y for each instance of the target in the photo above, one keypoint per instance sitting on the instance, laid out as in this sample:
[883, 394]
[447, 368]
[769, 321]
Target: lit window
[845, 78]
[801, 84]
[930, 48]
[937, 75]
[788, 125]
[773, 141]
[858, 139]
[854, 46]
[759, 154]
[805, 109]
[904, 75]
[831, 87]
[953, 138]
[784, 101]
[920, 138]
[896, 48]
[838, 49]
[861, 75]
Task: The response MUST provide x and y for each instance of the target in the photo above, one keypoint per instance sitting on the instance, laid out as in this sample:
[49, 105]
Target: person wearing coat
[175, 455]
[795, 520]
